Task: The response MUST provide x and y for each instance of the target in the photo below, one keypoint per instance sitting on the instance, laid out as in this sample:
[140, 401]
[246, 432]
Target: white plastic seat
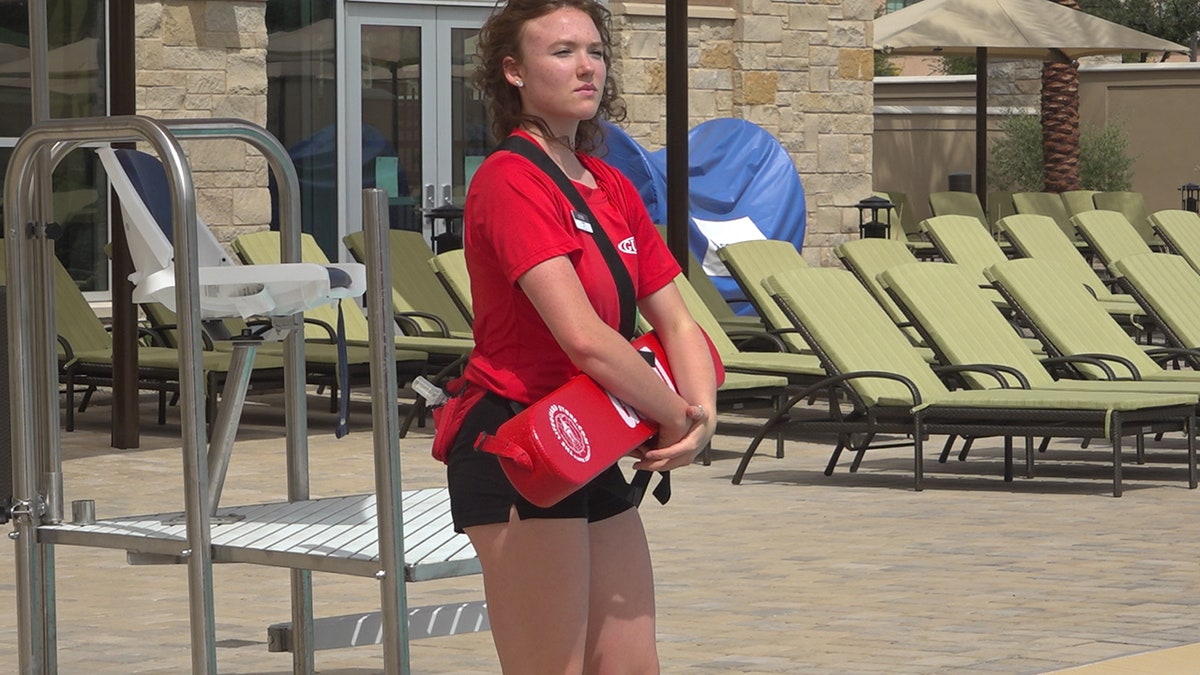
[227, 289]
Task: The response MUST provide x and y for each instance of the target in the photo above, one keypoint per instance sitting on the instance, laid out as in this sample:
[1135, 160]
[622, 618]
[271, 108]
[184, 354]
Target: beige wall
[1158, 106]
[916, 147]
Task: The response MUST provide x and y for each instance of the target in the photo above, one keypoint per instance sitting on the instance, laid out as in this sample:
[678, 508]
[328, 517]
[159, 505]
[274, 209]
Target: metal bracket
[280, 328]
[52, 231]
[24, 508]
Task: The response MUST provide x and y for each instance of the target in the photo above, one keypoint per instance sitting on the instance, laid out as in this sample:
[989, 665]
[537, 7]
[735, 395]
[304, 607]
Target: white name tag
[581, 221]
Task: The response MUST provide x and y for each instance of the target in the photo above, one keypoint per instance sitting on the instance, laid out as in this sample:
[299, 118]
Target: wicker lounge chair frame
[893, 390]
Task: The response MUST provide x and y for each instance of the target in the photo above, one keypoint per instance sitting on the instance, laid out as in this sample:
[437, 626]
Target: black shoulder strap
[625, 292]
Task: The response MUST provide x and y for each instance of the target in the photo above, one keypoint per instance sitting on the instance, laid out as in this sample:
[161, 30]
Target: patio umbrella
[1013, 29]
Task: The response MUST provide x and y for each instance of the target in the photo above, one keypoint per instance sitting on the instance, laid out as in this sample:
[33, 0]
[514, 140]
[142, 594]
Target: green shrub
[1015, 161]
[954, 65]
[885, 67]
[1104, 161]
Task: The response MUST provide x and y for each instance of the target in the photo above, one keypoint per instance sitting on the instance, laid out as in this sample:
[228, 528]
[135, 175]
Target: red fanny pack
[560, 443]
[448, 417]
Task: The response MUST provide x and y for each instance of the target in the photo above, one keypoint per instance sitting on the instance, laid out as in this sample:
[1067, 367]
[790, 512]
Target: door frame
[435, 19]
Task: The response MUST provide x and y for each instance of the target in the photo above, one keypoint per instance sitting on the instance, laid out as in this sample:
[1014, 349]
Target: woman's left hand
[702, 425]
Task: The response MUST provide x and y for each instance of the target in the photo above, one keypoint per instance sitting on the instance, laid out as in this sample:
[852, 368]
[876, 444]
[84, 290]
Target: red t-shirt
[516, 217]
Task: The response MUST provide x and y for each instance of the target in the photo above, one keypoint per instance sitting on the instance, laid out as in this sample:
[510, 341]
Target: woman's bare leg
[535, 579]
[621, 627]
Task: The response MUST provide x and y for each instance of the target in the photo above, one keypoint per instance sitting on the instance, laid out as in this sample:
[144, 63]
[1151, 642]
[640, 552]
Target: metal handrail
[36, 421]
[37, 453]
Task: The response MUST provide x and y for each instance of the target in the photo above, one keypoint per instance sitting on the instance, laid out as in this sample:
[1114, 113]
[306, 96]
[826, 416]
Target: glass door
[415, 126]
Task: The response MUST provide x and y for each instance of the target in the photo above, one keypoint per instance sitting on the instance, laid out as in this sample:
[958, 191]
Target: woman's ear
[512, 72]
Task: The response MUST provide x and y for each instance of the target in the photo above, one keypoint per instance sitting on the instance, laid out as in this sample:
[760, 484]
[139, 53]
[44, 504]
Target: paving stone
[790, 572]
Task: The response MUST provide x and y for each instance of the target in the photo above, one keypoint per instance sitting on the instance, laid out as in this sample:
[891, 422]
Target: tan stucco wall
[1155, 104]
[198, 58]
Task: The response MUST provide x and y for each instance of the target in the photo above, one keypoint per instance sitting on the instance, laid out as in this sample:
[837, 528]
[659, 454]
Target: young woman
[569, 588]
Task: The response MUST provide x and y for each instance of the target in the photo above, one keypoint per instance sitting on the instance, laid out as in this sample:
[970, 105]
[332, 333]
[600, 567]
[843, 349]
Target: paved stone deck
[790, 572]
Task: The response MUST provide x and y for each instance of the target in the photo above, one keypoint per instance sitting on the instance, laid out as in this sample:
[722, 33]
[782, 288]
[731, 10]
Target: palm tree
[1060, 121]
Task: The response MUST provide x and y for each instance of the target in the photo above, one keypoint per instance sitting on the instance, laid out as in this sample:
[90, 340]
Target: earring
[520, 83]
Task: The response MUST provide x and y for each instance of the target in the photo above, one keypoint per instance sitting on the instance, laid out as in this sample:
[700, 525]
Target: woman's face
[561, 67]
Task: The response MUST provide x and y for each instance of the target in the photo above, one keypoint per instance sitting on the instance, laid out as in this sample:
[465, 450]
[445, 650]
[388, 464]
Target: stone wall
[801, 71]
[207, 58]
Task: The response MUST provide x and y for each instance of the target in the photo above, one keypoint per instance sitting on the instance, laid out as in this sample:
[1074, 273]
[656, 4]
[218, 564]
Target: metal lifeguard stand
[413, 535]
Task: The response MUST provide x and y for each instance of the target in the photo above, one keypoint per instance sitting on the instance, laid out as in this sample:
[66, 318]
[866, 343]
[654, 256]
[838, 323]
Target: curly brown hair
[500, 37]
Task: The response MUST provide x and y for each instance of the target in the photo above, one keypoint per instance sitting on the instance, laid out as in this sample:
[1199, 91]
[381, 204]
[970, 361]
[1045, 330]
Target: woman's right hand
[679, 443]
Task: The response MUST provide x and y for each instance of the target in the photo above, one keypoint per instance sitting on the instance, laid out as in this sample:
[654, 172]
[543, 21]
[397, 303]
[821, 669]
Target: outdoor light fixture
[451, 217]
[1190, 197]
[870, 226]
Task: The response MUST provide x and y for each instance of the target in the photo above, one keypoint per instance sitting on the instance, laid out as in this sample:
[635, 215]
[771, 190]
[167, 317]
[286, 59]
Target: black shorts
[480, 493]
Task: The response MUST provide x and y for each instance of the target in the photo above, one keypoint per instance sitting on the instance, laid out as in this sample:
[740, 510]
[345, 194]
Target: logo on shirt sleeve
[628, 246]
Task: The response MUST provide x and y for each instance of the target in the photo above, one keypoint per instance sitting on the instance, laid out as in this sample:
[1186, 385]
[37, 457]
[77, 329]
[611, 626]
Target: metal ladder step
[357, 630]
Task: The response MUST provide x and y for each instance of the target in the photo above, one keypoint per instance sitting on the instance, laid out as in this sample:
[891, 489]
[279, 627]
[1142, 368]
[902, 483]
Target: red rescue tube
[558, 444]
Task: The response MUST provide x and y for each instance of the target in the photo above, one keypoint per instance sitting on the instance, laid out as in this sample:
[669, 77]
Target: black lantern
[870, 226]
[1190, 197]
[451, 218]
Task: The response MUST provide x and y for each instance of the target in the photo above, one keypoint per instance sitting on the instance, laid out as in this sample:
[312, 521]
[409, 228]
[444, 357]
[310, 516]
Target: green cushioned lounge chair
[1180, 233]
[1033, 237]
[797, 368]
[1061, 313]
[895, 220]
[1168, 287]
[749, 376]
[1049, 204]
[1131, 205]
[86, 355]
[1110, 235]
[730, 320]
[418, 298]
[965, 244]
[904, 211]
[263, 247]
[893, 390]
[958, 204]
[749, 262]
[867, 258]
[921, 247]
[1078, 201]
[320, 357]
[999, 204]
[756, 375]
[963, 329]
[451, 269]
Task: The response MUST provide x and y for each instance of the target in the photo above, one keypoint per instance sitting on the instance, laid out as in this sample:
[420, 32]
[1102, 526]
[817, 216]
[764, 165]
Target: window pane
[391, 119]
[76, 88]
[302, 92]
[469, 132]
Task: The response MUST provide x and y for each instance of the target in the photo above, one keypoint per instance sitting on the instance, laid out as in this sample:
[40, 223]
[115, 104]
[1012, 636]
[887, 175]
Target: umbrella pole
[981, 125]
[677, 130]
